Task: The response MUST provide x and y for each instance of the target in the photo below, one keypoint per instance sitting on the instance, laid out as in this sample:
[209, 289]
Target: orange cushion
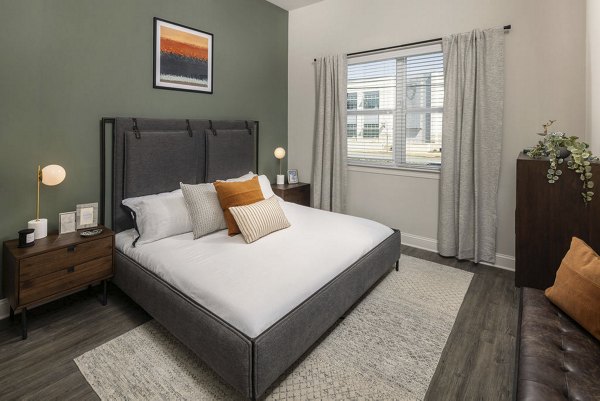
[576, 289]
[237, 194]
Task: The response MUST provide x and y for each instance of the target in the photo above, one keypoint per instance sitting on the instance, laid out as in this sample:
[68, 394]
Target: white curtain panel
[330, 146]
[471, 144]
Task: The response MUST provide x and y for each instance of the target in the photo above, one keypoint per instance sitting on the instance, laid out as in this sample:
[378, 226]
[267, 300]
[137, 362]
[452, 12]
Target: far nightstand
[54, 267]
[296, 193]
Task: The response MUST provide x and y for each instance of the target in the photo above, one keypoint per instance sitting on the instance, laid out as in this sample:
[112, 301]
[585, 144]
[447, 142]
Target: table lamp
[51, 175]
[280, 154]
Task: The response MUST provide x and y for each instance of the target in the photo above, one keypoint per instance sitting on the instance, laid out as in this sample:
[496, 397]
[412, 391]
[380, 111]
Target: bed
[249, 311]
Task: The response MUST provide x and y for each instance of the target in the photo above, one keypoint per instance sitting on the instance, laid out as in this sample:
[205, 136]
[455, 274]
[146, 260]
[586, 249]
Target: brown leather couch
[557, 359]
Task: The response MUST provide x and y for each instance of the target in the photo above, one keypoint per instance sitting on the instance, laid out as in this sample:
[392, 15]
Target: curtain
[471, 144]
[330, 142]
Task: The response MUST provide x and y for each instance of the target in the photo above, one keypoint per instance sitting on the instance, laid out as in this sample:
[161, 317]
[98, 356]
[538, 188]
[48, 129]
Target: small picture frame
[66, 222]
[87, 215]
[292, 176]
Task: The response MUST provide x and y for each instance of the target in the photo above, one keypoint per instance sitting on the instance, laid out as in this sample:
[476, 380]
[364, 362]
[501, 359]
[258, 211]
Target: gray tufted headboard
[150, 156]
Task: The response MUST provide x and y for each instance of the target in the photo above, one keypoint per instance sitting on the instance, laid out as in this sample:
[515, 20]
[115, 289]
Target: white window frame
[399, 154]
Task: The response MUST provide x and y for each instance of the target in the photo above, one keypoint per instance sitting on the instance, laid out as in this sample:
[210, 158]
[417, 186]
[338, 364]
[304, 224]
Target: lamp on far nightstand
[280, 154]
[51, 175]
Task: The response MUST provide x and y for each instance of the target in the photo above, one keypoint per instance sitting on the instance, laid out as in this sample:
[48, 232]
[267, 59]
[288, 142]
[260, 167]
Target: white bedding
[252, 286]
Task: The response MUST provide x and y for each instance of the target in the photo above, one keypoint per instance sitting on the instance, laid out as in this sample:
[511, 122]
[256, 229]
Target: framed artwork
[293, 176]
[66, 222]
[183, 57]
[86, 215]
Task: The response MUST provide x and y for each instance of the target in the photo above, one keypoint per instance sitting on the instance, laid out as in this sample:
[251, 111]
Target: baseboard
[503, 261]
[416, 241]
[4, 308]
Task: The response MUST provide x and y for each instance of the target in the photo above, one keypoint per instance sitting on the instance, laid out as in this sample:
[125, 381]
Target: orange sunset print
[184, 56]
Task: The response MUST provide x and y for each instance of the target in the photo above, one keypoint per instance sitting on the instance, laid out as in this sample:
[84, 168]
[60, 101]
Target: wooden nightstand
[296, 193]
[55, 266]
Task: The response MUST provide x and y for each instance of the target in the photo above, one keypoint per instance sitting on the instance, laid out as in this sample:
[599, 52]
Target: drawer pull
[71, 248]
[71, 269]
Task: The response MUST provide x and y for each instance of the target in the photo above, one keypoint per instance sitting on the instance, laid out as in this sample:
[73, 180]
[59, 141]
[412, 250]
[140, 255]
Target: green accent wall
[65, 64]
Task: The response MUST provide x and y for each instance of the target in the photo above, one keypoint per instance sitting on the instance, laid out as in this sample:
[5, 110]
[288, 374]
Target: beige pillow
[259, 219]
[203, 208]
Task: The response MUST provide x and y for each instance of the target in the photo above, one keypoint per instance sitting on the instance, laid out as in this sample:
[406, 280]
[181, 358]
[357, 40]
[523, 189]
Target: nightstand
[54, 267]
[296, 193]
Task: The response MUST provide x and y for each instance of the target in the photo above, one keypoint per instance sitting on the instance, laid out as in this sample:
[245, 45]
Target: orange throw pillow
[237, 194]
[576, 289]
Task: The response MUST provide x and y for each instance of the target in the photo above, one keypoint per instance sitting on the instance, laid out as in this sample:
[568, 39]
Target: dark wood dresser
[547, 217]
[296, 193]
[55, 266]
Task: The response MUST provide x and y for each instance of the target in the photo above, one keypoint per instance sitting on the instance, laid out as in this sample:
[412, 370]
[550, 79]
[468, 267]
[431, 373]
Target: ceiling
[292, 4]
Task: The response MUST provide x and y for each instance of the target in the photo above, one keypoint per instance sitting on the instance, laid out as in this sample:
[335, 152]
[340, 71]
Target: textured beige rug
[387, 348]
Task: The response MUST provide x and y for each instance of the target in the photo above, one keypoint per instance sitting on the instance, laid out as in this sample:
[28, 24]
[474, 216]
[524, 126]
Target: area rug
[387, 348]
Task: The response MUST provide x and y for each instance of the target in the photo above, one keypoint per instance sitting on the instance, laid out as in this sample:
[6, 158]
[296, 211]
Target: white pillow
[159, 216]
[244, 177]
[265, 184]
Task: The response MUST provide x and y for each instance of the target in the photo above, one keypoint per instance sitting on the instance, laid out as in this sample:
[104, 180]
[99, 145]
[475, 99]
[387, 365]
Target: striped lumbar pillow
[259, 219]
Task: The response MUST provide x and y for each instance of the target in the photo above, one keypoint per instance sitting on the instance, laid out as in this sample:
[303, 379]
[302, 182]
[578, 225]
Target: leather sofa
[557, 359]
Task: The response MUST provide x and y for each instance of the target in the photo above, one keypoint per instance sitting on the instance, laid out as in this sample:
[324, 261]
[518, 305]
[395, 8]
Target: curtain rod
[422, 42]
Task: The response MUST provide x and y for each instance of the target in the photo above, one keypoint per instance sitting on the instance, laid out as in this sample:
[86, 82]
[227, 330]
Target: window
[395, 108]
[371, 100]
[351, 127]
[351, 101]
[371, 126]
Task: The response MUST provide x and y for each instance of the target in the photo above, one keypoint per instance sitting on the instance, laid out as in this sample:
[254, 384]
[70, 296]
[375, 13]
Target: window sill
[414, 172]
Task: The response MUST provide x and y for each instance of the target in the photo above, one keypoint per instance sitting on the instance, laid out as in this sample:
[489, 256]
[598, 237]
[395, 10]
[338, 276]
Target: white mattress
[252, 286]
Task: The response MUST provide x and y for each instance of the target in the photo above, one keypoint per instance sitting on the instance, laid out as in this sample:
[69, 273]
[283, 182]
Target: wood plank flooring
[479, 358]
[477, 362]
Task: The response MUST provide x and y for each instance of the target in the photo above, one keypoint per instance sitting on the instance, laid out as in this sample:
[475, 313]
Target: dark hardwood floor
[42, 367]
[479, 358]
[477, 362]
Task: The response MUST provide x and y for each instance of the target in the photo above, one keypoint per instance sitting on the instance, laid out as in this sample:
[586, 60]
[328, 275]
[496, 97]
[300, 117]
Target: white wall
[545, 79]
[593, 74]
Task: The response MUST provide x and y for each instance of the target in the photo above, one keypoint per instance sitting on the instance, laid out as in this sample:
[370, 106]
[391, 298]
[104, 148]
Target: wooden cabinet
[55, 266]
[295, 193]
[547, 217]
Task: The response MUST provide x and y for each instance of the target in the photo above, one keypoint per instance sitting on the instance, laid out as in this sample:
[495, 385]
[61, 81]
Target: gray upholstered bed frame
[153, 155]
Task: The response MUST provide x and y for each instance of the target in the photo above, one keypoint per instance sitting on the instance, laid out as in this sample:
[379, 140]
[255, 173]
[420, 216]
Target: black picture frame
[168, 66]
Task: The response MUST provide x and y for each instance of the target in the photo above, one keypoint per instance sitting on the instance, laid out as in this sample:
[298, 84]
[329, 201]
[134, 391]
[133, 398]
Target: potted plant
[560, 148]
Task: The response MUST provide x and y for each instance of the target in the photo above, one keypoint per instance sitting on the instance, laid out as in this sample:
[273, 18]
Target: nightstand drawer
[296, 193]
[49, 262]
[300, 196]
[64, 279]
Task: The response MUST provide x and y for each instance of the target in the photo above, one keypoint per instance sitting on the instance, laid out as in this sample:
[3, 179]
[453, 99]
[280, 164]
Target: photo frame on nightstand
[292, 176]
[87, 215]
[66, 222]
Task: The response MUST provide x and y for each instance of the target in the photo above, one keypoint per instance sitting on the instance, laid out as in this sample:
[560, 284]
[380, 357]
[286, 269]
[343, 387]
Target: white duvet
[252, 286]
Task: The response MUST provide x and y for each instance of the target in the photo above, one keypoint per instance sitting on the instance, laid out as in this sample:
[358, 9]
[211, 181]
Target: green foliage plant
[553, 146]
